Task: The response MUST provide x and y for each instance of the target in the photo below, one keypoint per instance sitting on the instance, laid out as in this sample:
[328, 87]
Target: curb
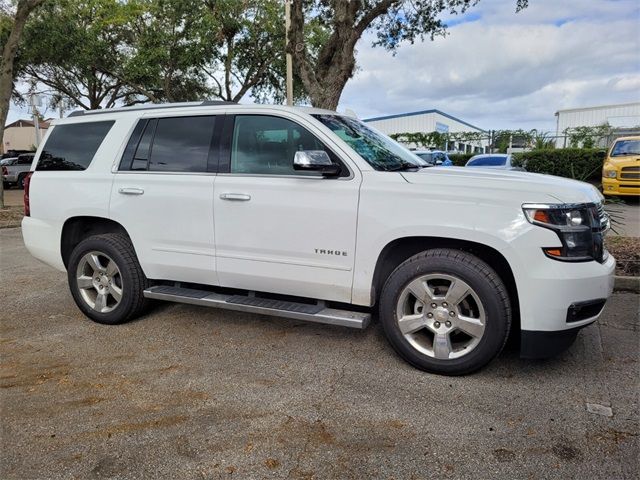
[626, 284]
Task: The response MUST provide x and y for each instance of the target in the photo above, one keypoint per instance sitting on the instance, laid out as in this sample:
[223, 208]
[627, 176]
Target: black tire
[119, 248]
[20, 182]
[480, 277]
[6, 185]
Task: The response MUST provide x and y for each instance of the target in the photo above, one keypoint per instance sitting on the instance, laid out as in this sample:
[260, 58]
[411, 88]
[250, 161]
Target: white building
[21, 135]
[427, 121]
[625, 115]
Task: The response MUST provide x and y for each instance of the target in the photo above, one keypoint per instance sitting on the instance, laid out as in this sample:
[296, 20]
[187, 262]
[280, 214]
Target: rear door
[277, 229]
[163, 195]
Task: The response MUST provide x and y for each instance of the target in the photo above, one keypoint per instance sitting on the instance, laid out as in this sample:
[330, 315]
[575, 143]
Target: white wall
[21, 138]
[616, 115]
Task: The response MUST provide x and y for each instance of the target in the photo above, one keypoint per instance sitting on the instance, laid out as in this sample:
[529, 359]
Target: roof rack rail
[204, 103]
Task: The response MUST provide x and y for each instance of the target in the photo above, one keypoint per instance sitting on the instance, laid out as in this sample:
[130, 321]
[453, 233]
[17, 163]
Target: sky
[500, 70]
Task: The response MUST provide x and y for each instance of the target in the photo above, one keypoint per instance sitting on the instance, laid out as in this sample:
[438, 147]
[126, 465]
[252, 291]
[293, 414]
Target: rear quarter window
[73, 146]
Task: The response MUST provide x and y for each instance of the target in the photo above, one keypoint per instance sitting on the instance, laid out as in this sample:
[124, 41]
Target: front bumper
[539, 345]
[560, 299]
[620, 187]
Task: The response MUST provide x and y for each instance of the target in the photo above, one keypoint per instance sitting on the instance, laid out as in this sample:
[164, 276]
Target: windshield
[377, 149]
[487, 162]
[626, 147]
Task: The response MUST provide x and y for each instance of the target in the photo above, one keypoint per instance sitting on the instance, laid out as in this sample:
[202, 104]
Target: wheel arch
[400, 249]
[76, 229]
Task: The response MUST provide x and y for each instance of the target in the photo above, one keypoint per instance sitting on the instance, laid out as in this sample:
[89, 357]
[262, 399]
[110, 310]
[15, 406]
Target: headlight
[607, 173]
[577, 227]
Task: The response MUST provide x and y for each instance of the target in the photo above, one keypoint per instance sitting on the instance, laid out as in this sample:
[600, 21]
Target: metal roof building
[625, 115]
[427, 121]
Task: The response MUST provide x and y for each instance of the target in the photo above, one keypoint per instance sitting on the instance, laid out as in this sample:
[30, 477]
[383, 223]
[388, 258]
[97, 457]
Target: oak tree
[326, 72]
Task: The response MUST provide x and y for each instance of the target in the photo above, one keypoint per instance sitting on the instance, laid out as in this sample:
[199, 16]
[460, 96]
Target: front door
[277, 229]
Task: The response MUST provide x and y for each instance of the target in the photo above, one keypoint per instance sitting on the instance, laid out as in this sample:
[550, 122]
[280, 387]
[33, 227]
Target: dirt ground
[196, 393]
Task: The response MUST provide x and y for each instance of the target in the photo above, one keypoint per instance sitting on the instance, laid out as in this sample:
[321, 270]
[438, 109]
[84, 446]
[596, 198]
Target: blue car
[434, 158]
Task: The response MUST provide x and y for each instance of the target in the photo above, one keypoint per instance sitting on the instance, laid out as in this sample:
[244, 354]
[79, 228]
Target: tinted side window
[24, 160]
[72, 147]
[180, 144]
[266, 145]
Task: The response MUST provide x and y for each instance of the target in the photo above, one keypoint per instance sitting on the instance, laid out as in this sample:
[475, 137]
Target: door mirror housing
[316, 161]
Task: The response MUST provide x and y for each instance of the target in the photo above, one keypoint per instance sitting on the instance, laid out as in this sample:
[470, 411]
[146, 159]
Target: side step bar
[318, 313]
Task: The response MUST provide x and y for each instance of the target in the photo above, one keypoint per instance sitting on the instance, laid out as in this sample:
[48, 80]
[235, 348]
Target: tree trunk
[324, 78]
[24, 8]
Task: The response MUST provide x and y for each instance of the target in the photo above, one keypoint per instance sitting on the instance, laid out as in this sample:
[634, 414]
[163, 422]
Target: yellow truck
[621, 169]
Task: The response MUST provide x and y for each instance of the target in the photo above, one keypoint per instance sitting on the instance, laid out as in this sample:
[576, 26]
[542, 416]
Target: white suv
[313, 215]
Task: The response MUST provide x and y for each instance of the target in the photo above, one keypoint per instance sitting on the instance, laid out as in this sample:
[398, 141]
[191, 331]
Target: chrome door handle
[235, 197]
[131, 191]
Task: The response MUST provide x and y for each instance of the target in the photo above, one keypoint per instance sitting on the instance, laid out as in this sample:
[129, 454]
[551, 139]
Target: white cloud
[502, 70]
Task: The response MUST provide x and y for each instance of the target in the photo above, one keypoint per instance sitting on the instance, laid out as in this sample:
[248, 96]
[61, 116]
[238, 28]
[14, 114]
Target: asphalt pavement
[194, 393]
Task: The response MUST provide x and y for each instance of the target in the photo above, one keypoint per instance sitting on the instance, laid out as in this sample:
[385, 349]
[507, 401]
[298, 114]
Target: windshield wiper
[404, 166]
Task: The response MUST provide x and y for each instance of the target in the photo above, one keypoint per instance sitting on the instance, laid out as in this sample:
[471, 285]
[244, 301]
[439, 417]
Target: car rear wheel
[21, 178]
[446, 311]
[106, 280]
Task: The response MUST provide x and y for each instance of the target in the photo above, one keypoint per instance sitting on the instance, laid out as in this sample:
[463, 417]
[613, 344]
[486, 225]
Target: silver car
[493, 160]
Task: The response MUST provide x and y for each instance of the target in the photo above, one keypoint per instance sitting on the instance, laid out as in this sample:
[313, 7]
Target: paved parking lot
[189, 392]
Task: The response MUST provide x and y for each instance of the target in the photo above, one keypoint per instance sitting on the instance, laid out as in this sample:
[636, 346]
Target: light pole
[287, 26]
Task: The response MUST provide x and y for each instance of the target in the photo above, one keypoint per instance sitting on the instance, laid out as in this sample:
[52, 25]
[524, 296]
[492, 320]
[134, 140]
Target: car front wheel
[445, 311]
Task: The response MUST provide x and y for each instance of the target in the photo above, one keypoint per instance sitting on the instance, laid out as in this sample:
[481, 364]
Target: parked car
[621, 169]
[500, 161]
[312, 215]
[15, 172]
[12, 153]
[434, 157]
[8, 161]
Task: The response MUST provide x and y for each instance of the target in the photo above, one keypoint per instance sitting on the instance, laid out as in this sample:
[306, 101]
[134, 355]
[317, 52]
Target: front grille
[603, 217]
[630, 173]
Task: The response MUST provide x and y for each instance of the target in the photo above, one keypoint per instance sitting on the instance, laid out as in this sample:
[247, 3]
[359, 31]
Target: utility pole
[36, 121]
[287, 26]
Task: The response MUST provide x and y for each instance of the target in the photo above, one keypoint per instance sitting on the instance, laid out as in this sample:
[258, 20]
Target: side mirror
[316, 161]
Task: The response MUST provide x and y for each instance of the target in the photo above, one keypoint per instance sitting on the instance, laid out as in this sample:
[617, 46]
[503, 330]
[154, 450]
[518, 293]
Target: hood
[505, 184]
[624, 161]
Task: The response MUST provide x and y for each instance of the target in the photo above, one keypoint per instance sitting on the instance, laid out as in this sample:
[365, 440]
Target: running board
[317, 312]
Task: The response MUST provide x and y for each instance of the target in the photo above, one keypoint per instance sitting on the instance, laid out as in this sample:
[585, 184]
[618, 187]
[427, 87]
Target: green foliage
[578, 163]
[74, 46]
[167, 44]
[543, 141]
[101, 53]
[588, 137]
[437, 140]
[460, 159]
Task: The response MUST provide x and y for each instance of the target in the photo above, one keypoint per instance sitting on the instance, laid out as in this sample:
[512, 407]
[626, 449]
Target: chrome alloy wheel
[99, 281]
[441, 316]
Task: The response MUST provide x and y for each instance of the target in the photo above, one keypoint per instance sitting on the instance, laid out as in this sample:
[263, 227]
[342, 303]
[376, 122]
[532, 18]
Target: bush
[460, 159]
[578, 163]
